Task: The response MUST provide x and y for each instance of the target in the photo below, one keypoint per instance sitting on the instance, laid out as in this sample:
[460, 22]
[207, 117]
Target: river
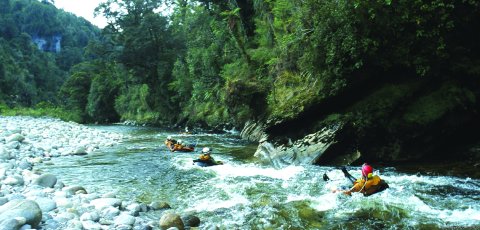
[242, 194]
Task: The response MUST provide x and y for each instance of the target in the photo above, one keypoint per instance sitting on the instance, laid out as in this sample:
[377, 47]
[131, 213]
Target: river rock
[6, 166]
[157, 205]
[13, 180]
[63, 202]
[15, 223]
[46, 180]
[4, 153]
[93, 216]
[27, 209]
[12, 145]
[110, 212]
[15, 137]
[102, 203]
[3, 200]
[124, 219]
[169, 220]
[24, 164]
[52, 224]
[191, 220]
[72, 190]
[79, 151]
[46, 204]
[90, 225]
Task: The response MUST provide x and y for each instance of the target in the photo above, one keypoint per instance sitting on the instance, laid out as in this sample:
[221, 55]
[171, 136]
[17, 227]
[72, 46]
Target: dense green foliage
[214, 62]
[32, 73]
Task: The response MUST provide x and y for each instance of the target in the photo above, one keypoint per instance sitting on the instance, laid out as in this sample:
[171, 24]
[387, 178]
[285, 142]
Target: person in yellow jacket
[177, 146]
[170, 143]
[206, 159]
[368, 184]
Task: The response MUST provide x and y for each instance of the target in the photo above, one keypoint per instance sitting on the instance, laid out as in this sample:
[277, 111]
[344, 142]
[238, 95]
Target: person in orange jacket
[170, 143]
[368, 184]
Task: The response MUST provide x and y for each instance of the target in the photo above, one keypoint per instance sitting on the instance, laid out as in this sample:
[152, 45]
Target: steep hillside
[39, 44]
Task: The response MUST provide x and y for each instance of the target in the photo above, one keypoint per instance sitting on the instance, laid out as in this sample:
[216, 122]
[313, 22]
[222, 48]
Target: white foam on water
[251, 170]
[468, 216]
[210, 205]
[323, 202]
[221, 195]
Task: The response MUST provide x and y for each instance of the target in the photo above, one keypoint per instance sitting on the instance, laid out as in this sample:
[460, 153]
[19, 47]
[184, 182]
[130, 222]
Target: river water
[245, 195]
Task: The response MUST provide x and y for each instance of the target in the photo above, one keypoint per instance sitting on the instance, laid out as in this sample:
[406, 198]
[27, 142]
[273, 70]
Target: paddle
[345, 173]
[348, 175]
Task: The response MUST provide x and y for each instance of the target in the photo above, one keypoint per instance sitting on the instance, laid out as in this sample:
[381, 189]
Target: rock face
[409, 120]
[306, 150]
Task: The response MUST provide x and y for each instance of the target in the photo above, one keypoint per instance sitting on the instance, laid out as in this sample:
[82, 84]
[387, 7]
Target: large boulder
[306, 150]
[20, 212]
[169, 220]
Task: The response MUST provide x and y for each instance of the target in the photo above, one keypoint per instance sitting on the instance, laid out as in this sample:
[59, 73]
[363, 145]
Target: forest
[385, 68]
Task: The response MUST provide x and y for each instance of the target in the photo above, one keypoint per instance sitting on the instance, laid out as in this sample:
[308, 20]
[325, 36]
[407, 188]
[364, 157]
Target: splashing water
[244, 195]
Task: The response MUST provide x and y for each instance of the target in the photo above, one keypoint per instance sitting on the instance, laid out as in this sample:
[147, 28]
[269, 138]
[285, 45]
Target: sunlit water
[245, 195]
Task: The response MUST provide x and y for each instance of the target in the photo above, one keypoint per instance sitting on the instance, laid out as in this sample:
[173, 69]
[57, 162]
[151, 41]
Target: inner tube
[382, 186]
[208, 163]
[203, 164]
[185, 149]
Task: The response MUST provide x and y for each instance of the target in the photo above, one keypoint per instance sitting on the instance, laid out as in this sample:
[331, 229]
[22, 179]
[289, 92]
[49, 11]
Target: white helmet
[169, 137]
[179, 141]
[206, 150]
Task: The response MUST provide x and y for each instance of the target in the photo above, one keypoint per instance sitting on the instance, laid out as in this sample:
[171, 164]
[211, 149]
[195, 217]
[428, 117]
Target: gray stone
[3, 200]
[80, 151]
[52, 225]
[46, 180]
[21, 208]
[13, 145]
[72, 190]
[26, 227]
[46, 204]
[15, 137]
[110, 212]
[24, 164]
[106, 202]
[59, 185]
[124, 219]
[15, 196]
[14, 223]
[93, 216]
[156, 205]
[4, 153]
[14, 180]
[90, 225]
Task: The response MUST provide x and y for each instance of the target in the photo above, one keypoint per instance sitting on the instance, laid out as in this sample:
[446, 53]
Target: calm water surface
[245, 195]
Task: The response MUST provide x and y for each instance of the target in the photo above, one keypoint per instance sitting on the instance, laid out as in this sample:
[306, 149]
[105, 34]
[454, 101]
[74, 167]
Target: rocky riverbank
[32, 199]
